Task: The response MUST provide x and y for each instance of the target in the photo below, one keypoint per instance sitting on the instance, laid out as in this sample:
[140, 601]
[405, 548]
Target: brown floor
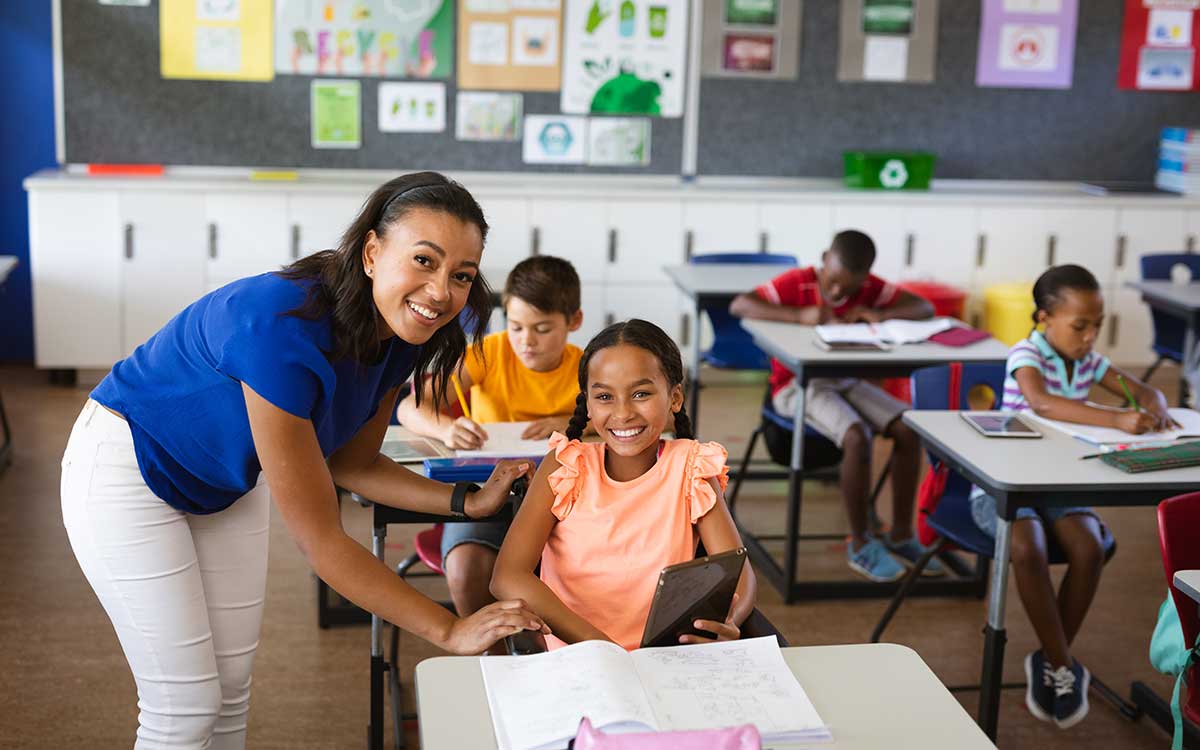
[66, 685]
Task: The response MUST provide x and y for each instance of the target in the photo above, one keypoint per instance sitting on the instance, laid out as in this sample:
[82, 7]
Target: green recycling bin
[888, 170]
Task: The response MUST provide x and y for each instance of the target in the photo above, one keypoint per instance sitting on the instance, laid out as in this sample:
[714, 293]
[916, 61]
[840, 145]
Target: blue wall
[26, 145]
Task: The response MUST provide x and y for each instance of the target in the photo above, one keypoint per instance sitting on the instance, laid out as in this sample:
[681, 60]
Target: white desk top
[1188, 581]
[7, 264]
[1047, 464]
[871, 695]
[722, 278]
[797, 345]
[1184, 295]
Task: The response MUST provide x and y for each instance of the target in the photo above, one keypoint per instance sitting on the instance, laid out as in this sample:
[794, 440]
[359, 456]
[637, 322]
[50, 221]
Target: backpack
[1170, 655]
[933, 485]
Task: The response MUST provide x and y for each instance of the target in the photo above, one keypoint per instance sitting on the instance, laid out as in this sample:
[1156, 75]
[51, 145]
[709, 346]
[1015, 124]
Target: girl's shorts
[983, 512]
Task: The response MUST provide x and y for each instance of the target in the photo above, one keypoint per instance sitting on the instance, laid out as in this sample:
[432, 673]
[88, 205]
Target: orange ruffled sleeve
[565, 481]
[707, 461]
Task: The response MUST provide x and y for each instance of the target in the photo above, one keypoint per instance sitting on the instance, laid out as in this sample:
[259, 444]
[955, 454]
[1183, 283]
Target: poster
[618, 142]
[412, 107]
[336, 114]
[1027, 44]
[510, 45]
[488, 116]
[622, 57]
[386, 38]
[226, 40]
[751, 39]
[1158, 46]
[554, 139]
[888, 40]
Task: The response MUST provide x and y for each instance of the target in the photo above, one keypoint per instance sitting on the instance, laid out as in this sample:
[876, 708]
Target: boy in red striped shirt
[849, 411]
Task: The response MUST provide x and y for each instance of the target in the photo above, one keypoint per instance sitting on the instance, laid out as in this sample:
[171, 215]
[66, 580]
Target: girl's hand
[726, 631]
[1135, 422]
[480, 631]
[544, 427]
[464, 434]
[1156, 406]
[495, 491]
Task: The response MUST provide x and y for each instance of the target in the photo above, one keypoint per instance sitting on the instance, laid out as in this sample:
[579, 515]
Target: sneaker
[1039, 686]
[873, 561]
[1070, 694]
[909, 551]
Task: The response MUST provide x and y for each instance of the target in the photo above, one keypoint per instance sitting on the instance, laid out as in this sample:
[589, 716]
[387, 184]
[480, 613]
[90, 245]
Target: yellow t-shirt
[504, 390]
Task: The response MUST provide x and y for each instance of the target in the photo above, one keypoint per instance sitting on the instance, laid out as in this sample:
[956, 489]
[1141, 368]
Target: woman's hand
[725, 631]
[480, 631]
[495, 491]
[464, 434]
[1135, 422]
[544, 427]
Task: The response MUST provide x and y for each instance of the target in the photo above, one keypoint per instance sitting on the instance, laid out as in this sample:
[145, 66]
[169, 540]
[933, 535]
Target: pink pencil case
[744, 737]
[959, 336]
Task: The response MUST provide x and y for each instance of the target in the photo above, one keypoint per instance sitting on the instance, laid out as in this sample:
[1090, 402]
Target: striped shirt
[799, 287]
[1037, 353]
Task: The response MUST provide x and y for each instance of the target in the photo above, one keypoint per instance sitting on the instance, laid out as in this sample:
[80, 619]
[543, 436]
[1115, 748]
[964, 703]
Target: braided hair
[1048, 289]
[644, 335]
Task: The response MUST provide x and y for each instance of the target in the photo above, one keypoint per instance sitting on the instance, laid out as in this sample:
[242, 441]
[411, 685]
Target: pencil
[462, 400]
[1133, 404]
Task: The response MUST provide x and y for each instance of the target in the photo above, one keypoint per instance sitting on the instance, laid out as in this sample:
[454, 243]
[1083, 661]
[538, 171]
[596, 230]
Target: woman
[286, 377]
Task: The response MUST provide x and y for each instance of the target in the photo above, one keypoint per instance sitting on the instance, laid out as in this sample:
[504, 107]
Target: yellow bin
[1008, 310]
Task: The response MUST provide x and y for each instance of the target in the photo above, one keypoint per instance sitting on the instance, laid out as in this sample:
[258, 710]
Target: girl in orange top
[604, 518]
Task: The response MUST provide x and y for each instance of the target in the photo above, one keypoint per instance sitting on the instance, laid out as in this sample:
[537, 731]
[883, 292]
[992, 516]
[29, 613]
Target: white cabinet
[940, 245]
[573, 229]
[645, 235]
[595, 314]
[802, 230]
[317, 221]
[164, 260]
[75, 260]
[509, 239]
[1015, 245]
[884, 225]
[658, 303]
[247, 235]
[721, 227]
[1128, 331]
[1085, 237]
[1147, 231]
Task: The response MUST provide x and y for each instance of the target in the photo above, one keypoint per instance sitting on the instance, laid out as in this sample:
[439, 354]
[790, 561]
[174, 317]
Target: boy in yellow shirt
[526, 373]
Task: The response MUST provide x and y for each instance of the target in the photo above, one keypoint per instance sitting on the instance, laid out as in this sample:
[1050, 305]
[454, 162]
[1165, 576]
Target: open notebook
[887, 332]
[538, 701]
[1189, 428]
[505, 441]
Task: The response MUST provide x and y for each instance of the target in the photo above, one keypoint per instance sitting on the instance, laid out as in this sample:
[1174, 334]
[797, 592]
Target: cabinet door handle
[762, 242]
[685, 327]
[1114, 324]
[980, 250]
[1191, 243]
[212, 240]
[535, 241]
[1051, 249]
[1122, 243]
[612, 246]
[295, 242]
[688, 238]
[909, 249]
[128, 242]
[609, 319]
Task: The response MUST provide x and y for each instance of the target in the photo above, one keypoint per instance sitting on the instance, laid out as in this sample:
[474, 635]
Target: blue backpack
[1169, 654]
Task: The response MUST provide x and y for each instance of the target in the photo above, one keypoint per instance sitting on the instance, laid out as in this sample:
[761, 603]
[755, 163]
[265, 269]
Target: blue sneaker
[1039, 686]
[909, 551]
[1070, 694]
[873, 561]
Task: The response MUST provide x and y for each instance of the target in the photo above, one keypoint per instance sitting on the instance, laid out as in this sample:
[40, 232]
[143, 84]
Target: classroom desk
[1180, 301]
[7, 264]
[796, 348]
[902, 704]
[707, 284]
[1036, 474]
[1188, 581]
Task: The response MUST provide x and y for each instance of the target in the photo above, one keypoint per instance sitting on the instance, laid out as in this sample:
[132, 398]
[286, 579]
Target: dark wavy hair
[1048, 289]
[644, 335]
[344, 289]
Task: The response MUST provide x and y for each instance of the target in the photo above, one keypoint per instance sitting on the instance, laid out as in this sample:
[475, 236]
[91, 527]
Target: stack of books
[1179, 161]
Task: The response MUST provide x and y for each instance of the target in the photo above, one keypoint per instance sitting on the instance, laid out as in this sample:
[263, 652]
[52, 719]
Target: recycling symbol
[894, 174]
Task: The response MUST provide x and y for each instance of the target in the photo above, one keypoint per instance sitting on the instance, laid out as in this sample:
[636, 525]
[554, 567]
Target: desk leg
[795, 492]
[1190, 365]
[375, 727]
[694, 406]
[994, 634]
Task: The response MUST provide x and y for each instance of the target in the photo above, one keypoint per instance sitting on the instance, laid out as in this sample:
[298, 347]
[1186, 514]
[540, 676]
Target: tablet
[851, 346]
[701, 589]
[998, 424]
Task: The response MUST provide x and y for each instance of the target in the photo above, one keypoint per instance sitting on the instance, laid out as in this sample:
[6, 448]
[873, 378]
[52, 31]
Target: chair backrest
[1178, 529]
[1168, 331]
[764, 259]
[930, 386]
[732, 347]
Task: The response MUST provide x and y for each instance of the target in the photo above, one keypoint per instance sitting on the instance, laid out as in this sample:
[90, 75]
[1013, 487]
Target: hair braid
[683, 425]
[579, 419]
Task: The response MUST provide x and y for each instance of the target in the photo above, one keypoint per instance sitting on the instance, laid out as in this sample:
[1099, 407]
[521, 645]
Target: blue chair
[733, 348]
[1168, 330]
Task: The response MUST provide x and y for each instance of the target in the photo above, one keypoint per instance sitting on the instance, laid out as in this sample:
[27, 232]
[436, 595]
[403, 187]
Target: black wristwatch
[458, 498]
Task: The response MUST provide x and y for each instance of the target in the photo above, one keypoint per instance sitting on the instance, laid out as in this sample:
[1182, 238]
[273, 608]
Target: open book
[505, 441]
[538, 701]
[887, 332]
[1189, 428]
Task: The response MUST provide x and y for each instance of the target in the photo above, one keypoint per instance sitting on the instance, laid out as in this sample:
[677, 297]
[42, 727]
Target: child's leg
[854, 477]
[1079, 535]
[906, 464]
[468, 570]
[1032, 571]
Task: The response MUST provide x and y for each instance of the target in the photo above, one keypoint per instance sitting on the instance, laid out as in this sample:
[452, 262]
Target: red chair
[1178, 534]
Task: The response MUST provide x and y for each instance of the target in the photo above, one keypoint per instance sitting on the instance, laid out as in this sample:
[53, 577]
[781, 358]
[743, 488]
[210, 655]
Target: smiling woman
[286, 377]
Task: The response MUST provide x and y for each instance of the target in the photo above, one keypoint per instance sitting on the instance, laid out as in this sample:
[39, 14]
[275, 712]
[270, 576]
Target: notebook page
[537, 701]
[504, 440]
[714, 685]
[1188, 419]
[848, 333]
[912, 331]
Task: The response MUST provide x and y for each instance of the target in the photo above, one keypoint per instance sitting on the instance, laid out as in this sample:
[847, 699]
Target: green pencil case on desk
[1155, 459]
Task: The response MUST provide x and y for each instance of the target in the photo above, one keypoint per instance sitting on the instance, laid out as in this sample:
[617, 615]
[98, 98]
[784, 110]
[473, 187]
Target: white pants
[184, 592]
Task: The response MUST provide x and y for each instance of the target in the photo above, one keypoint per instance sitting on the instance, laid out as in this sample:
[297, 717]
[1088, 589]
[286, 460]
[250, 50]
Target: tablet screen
[1001, 425]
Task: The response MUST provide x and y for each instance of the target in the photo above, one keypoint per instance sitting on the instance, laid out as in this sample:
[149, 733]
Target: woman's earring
[368, 271]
